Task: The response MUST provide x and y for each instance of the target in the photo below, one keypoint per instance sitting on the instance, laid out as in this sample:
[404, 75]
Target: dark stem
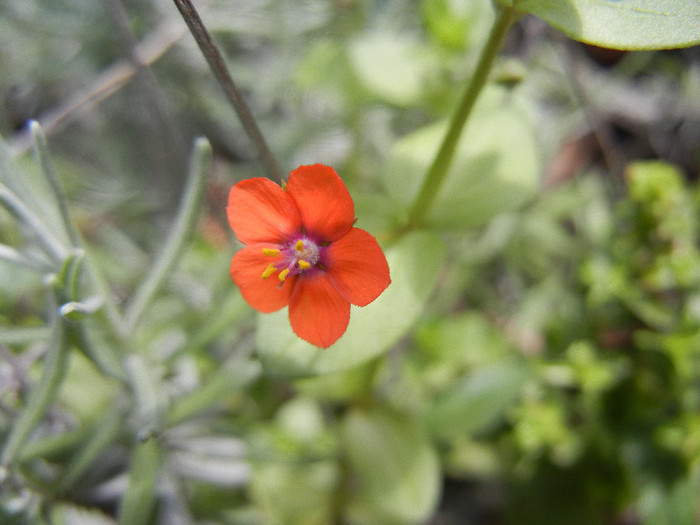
[218, 67]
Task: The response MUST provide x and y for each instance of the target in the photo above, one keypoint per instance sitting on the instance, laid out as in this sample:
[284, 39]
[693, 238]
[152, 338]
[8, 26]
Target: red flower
[302, 250]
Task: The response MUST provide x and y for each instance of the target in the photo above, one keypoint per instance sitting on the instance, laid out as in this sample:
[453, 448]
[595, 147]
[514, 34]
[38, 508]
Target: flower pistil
[294, 258]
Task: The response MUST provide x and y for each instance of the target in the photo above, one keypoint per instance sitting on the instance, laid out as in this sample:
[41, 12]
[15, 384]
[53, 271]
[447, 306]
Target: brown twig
[218, 67]
[109, 82]
[162, 131]
[113, 78]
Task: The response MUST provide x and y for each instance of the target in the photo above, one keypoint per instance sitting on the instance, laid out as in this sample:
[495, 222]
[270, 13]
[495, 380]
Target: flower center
[292, 259]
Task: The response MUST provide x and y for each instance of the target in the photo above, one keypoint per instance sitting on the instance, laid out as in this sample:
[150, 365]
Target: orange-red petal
[317, 312]
[357, 268]
[265, 295]
[324, 202]
[261, 211]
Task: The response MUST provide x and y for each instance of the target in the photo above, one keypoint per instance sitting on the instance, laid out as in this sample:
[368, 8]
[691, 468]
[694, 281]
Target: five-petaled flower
[302, 250]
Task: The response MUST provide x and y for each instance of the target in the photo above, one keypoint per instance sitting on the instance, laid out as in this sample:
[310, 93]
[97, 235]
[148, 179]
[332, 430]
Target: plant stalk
[218, 67]
[505, 17]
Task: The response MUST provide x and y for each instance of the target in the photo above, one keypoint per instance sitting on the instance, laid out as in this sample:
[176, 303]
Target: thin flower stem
[218, 66]
[505, 17]
[42, 154]
[184, 224]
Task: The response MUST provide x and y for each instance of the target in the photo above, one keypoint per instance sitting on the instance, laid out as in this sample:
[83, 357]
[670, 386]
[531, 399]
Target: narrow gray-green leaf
[59, 194]
[140, 498]
[182, 228]
[42, 395]
[103, 433]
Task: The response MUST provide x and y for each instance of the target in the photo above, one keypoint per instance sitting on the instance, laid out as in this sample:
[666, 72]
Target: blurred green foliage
[535, 360]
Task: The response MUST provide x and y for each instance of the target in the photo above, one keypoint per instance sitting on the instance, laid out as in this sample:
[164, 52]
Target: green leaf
[19, 335]
[54, 368]
[140, 497]
[478, 401]
[295, 492]
[415, 262]
[674, 505]
[35, 194]
[184, 224]
[395, 467]
[495, 168]
[390, 67]
[458, 24]
[621, 24]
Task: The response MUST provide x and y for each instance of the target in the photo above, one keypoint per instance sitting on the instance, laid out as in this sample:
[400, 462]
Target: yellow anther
[304, 265]
[271, 252]
[269, 271]
[283, 274]
[299, 246]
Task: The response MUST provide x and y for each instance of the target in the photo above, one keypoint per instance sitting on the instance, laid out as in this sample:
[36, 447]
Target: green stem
[505, 17]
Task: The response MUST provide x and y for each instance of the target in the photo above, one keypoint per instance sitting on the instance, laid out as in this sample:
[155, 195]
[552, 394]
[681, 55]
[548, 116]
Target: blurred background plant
[535, 360]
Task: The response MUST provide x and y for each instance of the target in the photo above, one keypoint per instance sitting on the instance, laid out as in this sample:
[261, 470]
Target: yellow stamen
[283, 274]
[304, 265]
[268, 271]
[270, 252]
[299, 246]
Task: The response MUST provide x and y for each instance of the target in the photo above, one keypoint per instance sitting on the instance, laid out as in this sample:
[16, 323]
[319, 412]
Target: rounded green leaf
[478, 401]
[495, 168]
[396, 469]
[621, 24]
[295, 492]
[390, 67]
[415, 262]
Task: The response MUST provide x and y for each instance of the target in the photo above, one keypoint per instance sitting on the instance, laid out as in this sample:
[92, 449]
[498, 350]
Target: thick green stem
[505, 17]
